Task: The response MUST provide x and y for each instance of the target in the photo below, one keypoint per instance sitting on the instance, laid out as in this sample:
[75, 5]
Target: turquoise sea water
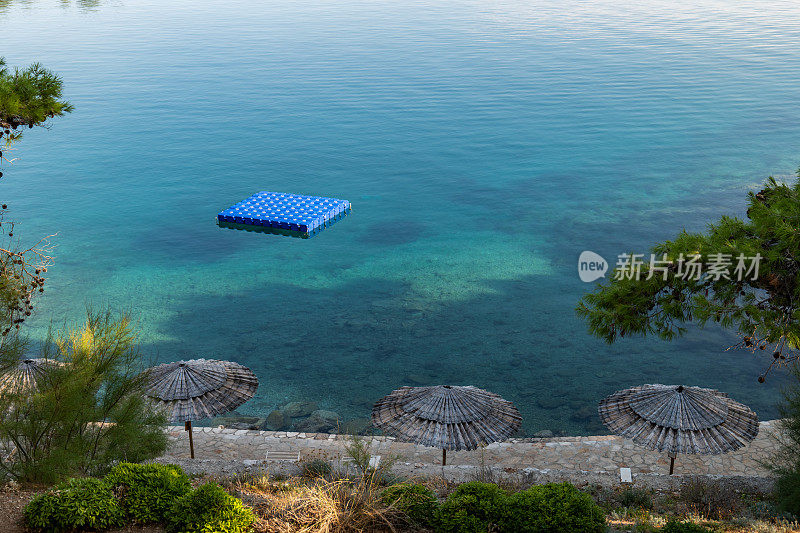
[483, 145]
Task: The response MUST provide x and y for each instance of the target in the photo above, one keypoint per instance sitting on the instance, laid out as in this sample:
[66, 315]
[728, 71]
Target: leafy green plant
[787, 492]
[479, 507]
[209, 509]
[147, 491]
[82, 503]
[635, 497]
[473, 507]
[417, 502]
[552, 507]
[766, 510]
[673, 526]
[358, 450]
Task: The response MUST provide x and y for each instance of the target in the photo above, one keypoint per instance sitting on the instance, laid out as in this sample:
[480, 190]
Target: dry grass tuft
[302, 505]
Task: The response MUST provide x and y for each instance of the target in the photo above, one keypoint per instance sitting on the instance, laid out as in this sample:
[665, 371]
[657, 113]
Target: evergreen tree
[786, 461]
[762, 306]
[86, 408]
[28, 97]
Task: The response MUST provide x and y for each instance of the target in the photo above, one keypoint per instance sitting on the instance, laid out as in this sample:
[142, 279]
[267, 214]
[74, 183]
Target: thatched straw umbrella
[199, 388]
[677, 419]
[24, 375]
[446, 417]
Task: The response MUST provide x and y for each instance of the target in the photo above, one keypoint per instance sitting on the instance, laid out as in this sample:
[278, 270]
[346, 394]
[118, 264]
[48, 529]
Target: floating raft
[280, 213]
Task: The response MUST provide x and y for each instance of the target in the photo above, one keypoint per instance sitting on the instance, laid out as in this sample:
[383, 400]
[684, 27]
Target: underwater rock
[320, 421]
[418, 379]
[365, 402]
[357, 426]
[238, 422]
[402, 232]
[549, 402]
[312, 425]
[299, 409]
[544, 434]
[277, 420]
[576, 404]
[328, 416]
[381, 353]
[584, 413]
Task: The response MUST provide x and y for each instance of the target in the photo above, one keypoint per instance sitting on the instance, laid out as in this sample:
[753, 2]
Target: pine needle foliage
[786, 461]
[87, 411]
[764, 311]
[30, 96]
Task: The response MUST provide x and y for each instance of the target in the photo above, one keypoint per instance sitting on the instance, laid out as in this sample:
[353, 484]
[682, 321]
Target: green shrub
[418, 503]
[787, 491]
[479, 507]
[82, 503]
[316, 468]
[673, 526]
[770, 512]
[552, 507]
[472, 508]
[209, 509]
[710, 499]
[148, 491]
[358, 450]
[785, 462]
[636, 498]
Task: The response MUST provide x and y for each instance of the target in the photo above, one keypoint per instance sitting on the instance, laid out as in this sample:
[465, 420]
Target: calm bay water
[483, 145]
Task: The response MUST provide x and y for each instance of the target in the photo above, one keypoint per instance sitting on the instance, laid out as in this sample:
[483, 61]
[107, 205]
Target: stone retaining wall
[463, 473]
[581, 456]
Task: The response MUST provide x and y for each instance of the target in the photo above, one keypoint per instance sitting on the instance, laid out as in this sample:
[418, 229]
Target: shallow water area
[483, 146]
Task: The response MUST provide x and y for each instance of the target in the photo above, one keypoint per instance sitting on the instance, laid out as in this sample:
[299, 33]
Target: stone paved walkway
[600, 454]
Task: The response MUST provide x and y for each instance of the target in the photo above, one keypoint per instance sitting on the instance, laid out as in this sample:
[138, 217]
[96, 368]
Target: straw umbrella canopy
[199, 388]
[23, 376]
[677, 419]
[446, 417]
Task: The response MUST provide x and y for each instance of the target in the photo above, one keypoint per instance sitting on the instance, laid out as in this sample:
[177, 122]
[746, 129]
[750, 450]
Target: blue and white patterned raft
[288, 214]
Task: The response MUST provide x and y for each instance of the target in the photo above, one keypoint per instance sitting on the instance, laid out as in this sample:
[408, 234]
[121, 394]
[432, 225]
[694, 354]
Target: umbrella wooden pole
[444, 456]
[671, 463]
[188, 428]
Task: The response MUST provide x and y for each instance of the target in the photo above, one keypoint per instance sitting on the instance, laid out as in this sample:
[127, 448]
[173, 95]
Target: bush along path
[156, 498]
[154, 493]
[138, 494]
[373, 496]
[370, 496]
